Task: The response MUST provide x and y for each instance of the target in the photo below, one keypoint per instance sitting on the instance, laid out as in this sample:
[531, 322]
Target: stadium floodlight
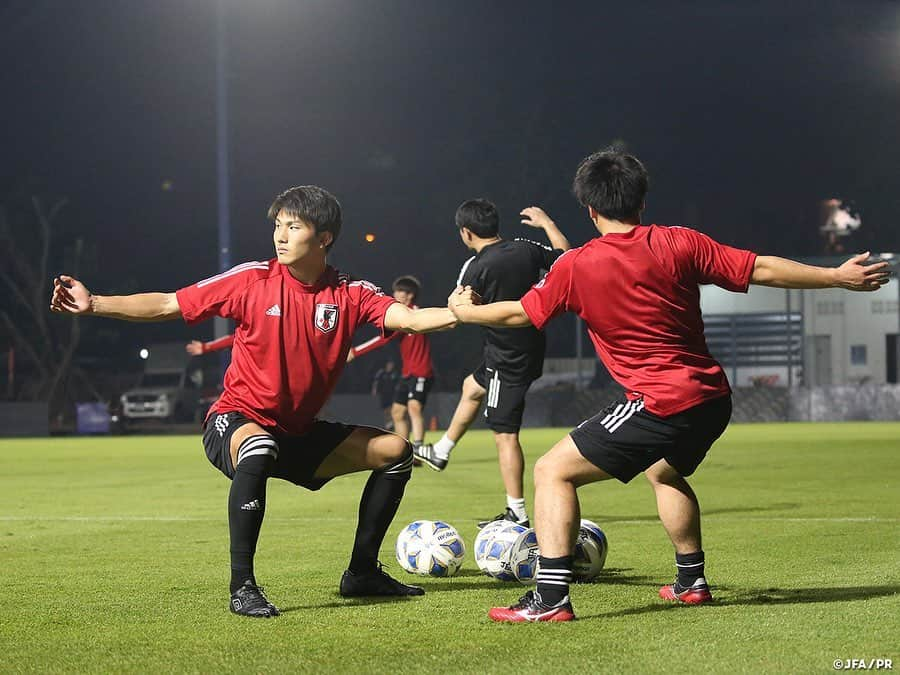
[144, 353]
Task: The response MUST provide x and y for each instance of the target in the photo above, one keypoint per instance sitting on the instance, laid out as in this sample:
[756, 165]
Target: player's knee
[662, 473]
[472, 390]
[546, 470]
[508, 442]
[398, 412]
[398, 458]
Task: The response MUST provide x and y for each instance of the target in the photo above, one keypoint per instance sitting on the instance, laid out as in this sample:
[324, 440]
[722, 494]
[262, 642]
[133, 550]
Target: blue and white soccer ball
[591, 548]
[430, 548]
[523, 557]
[493, 547]
[482, 544]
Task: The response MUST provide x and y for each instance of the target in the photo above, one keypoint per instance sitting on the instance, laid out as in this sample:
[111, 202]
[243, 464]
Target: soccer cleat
[375, 583]
[531, 608]
[249, 600]
[697, 594]
[426, 455]
[506, 515]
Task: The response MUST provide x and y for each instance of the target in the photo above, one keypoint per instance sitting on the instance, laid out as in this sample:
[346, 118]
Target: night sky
[745, 116]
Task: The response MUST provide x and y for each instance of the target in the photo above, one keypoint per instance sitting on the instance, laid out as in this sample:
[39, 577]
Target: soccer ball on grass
[430, 548]
[493, 547]
[590, 551]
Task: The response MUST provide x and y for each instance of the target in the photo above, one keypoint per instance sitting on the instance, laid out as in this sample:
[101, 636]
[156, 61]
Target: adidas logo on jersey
[274, 310]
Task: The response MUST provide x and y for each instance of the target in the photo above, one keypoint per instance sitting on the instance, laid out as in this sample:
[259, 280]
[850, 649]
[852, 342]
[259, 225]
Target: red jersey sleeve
[224, 342]
[715, 263]
[373, 344]
[372, 304]
[220, 295]
[550, 296]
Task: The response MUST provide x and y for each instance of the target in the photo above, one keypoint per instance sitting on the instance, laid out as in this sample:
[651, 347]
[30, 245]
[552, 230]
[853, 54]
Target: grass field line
[617, 521]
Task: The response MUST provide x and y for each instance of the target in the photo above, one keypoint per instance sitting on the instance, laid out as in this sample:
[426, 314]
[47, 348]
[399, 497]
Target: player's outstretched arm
[70, 296]
[535, 216]
[507, 314]
[194, 347]
[428, 320]
[853, 275]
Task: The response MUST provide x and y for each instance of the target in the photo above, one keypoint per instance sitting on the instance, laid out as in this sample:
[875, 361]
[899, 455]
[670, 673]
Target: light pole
[221, 326]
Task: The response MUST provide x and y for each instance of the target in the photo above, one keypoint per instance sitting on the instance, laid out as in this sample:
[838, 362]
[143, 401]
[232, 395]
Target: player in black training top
[513, 358]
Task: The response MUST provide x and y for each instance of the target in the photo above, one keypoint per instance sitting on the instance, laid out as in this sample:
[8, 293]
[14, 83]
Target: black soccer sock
[690, 568]
[247, 504]
[553, 578]
[377, 508]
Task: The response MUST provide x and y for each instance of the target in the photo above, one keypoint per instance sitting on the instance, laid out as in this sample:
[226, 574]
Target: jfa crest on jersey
[326, 319]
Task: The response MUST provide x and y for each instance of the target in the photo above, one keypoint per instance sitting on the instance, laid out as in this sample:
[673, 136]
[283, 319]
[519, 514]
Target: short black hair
[408, 284]
[480, 216]
[313, 205]
[613, 183]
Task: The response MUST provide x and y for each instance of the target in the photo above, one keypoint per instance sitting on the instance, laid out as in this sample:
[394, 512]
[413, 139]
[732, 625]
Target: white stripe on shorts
[632, 408]
[494, 390]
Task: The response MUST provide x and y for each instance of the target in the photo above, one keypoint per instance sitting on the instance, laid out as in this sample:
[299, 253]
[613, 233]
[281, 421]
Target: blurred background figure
[197, 347]
[383, 385]
[839, 221]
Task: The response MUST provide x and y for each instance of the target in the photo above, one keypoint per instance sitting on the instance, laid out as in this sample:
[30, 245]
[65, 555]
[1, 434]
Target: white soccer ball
[523, 557]
[590, 551]
[482, 544]
[430, 548]
[493, 546]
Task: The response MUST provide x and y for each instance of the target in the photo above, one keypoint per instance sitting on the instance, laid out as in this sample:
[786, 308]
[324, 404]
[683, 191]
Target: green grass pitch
[115, 559]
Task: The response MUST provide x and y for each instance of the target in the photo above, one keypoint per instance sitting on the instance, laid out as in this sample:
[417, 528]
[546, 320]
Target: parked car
[169, 388]
[169, 395]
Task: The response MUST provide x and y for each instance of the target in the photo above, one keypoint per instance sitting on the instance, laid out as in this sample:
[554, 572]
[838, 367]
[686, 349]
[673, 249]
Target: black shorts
[504, 400]
[298, 456]
[413, 388]
[624, 439]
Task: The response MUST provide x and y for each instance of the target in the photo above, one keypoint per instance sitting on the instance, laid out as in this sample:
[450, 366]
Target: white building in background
[811, 338]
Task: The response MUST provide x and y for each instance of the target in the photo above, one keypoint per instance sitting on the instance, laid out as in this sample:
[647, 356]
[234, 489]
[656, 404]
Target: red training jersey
[639, 294]
[415, 352]
[291, 339]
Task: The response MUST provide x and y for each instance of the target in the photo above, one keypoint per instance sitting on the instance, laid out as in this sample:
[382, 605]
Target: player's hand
[853, 275]
[455, 299]
[470, 297]
[194, 348]
[462, 297]
[70, 296]
[534, 216]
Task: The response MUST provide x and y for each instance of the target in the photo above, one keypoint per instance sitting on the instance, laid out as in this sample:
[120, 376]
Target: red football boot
[530, 608]
[697, 594]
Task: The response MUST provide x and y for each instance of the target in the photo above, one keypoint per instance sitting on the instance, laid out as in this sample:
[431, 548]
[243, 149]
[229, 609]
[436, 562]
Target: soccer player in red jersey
[197, 347]
[637, 288]
[417, 376]
[295, 318]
